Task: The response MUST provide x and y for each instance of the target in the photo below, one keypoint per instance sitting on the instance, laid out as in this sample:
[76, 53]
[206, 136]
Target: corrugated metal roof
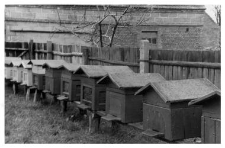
[132, 80]
[54, 64]
[71, 67]
[96, 71]
[182, 90]
[8, 60]
[203, 99]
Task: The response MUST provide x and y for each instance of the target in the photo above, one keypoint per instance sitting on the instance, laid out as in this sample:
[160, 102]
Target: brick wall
[170, 24]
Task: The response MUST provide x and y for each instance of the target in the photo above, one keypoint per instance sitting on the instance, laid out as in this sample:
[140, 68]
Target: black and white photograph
[116, 73]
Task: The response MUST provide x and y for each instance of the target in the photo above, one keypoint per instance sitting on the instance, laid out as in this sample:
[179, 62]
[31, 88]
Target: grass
[29, 122]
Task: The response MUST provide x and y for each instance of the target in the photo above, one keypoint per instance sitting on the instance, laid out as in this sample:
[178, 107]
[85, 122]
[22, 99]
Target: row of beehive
[117, 93]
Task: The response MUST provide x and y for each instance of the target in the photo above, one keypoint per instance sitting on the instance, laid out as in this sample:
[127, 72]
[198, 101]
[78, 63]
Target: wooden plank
[203, 129]
[217, 80]
[152, 133]
[209, 130]
[211, 75]
[218, 131]
[151, 70]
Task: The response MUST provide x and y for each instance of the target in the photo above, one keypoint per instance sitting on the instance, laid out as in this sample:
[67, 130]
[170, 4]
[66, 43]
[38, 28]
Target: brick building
[166, 27]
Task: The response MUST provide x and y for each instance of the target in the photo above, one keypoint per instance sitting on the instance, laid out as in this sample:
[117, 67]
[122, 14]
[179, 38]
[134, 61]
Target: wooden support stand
[37, 95]
[28, 94]
[15, 88]
[63, 100]
[94, 121]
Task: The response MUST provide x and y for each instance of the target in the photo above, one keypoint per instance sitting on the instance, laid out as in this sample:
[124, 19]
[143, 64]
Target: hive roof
[181, 90]
[131, 80]
[97, 71]
[54, 64]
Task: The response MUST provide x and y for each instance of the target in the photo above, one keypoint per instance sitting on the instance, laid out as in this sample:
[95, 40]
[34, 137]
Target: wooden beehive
[38, 73]
[53, 70]
[70, 82]
[17, 71]
[93, 94]
[165, 108]
[121, 103]
[27, 78]
[9, 67]
[211, 117]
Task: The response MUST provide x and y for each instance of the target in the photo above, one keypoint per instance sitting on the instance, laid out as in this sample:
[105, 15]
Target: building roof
[181, 90]
[131, 80]
[8, 60]
[97, 71]
[205, 98]
[54, 64]
[71, 67]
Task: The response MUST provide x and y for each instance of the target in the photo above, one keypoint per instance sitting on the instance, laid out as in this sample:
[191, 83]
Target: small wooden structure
[38, 73]
[121, 103]
[165, 108]
[17, 71]
[70, 82]
[211, 117]
[93, 94]
[9, 67]
[27, 73]
[53, 69]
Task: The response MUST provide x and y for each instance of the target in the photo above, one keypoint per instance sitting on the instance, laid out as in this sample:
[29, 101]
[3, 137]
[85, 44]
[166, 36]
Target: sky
[210, 11]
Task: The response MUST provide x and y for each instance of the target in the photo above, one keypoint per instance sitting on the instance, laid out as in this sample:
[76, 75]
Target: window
[151, 36]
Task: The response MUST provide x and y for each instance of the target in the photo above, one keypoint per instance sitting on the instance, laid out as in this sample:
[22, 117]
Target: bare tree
[218, 14]
[102, 32]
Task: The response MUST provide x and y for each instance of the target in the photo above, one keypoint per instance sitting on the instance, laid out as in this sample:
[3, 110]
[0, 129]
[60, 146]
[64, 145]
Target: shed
[27, 73]
[53, 76]
[9, 67]
[121, 103]
[70, 82]
[93, 94]
[165, 108]
[211, 117]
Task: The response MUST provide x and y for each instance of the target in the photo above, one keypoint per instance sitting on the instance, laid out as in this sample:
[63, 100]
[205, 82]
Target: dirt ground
[40, 122]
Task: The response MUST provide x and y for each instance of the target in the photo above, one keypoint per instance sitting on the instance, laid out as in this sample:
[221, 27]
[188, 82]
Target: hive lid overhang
[54, 64]
[204, 98]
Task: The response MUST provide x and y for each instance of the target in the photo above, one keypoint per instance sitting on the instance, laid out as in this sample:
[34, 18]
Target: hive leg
[94, 122]
[63, 106]
[15, 88]
[37, 95]
[28, 94]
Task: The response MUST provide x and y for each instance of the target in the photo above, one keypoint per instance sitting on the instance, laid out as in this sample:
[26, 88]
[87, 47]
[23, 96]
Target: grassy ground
[29, 122]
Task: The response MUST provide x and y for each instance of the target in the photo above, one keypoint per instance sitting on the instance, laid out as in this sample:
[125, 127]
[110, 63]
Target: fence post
[49, 50]
[85, 55]
[31, 49]
[144, 55]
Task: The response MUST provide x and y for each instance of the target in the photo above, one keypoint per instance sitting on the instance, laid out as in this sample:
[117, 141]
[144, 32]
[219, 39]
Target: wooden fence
[172, 64]
[48, 50]
[178, 64]
[114, 56]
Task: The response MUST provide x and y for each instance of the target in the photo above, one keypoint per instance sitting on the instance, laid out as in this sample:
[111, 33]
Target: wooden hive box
[70, 82]
[93, 94]
[121, 103]
[165, 108]
[27, 78]
[38, 73]
[9, 67]
[53, 70]
[211, 117]
[17, 71]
